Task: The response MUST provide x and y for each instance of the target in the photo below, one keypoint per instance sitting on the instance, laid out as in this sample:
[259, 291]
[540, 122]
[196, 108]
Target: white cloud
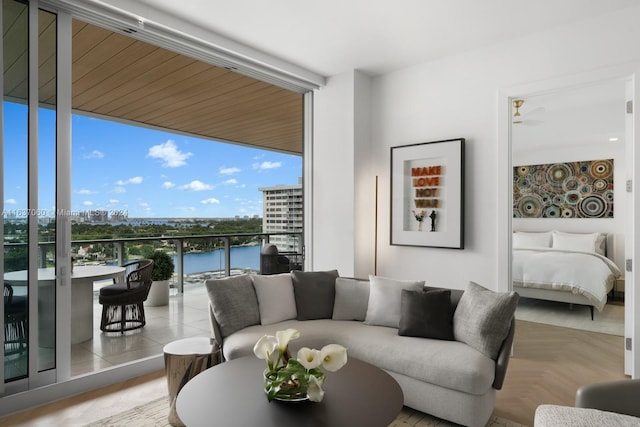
[95, 154]
[143, 204]
[114, 201]
[168, 184]
[196, 186]
[85, 191]
[267, 165]
[87, 203]
[210, 201]
[10, 202]
[170, 155]
[118, 190]
[230, 181]
[229, 171]
[134, 180]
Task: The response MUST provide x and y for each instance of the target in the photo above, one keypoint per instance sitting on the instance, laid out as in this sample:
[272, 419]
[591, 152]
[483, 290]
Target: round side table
[183, 360]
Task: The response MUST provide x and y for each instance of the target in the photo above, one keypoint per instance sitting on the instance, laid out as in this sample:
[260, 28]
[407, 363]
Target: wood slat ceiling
[116, 76]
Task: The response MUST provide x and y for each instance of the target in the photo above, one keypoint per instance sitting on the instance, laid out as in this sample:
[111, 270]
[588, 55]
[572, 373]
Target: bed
[565, 267]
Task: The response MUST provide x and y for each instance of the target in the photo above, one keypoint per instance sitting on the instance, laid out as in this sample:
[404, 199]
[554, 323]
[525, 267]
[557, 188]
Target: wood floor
[548, 365]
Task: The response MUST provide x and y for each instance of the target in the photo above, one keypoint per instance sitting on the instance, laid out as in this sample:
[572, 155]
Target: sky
[145, 173]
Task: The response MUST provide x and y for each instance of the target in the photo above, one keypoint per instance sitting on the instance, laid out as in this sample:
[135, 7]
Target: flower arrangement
[287, 378]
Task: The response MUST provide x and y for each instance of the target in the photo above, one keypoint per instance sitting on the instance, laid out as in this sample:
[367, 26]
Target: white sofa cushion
[563, 416]
[276, 300]
[385, 300]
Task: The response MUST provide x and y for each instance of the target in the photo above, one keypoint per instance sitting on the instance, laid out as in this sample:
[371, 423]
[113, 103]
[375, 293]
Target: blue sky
[147, 173]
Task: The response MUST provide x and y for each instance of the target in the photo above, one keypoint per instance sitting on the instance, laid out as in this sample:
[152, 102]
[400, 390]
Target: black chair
[122, 303]
[271, 262]
[15, 322]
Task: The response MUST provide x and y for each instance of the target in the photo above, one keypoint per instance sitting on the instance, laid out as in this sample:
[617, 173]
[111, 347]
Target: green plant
[162, 265]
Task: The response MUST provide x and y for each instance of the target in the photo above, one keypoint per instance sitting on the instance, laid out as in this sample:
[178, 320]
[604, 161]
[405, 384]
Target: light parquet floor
[548, 365]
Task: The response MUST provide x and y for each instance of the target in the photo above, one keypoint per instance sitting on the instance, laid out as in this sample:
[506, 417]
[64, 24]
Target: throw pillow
[426, 314]
[315, 293]
[385, 294]
[523, 240]
[352, 299]
[234, 303]
[275, 297]
[483, 318]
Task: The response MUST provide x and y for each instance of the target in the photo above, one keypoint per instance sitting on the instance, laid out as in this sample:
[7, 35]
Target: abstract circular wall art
[564, 190]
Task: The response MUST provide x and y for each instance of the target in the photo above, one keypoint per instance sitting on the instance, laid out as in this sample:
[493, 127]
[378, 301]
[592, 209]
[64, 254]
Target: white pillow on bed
[590, 242]
[524, 240]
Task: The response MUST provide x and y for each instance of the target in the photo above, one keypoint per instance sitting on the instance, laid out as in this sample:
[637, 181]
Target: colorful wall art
[564, 190]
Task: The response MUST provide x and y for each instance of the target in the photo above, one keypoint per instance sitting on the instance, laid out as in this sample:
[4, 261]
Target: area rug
[608, 321]
[154, 414]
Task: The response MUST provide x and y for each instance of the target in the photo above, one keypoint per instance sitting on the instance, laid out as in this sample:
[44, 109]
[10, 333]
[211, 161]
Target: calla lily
[283, 337]
[309, 358]
[334, 357]
[265, 347]
[314, 390]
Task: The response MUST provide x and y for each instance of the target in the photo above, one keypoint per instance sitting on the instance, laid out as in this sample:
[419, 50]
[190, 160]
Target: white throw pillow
[385, 300]
[524, 240]
[576, 241]
[276, 300]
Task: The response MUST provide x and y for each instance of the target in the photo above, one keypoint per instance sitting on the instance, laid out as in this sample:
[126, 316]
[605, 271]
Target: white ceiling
[329, 37]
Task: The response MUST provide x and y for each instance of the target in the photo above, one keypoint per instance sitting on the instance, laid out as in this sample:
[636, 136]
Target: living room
[359, 114]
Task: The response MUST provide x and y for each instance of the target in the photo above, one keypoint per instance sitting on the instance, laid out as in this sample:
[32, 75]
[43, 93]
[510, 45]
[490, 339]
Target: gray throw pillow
[352, 299]
[427, 314]
[234, 303]
[315, 293]
[483, 318]
[275, 297]
[384, 300]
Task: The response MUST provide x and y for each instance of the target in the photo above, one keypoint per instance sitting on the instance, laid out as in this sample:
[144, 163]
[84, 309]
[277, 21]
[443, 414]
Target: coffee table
[231, 394]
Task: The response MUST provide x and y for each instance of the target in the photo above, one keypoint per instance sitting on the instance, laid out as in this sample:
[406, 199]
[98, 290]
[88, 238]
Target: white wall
[450, 98]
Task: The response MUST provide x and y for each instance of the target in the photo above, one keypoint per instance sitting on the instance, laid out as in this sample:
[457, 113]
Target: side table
[183, 360]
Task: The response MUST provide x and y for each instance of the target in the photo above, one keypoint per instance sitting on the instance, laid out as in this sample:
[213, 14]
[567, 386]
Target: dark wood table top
[231, 394]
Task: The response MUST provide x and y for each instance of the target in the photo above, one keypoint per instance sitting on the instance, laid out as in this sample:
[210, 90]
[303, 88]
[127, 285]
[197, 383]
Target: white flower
[334, 357]
[265, 347]
[309, 358]
[283, 337]
[314, 390]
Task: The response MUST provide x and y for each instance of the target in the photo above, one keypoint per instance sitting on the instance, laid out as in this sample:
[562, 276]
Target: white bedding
[583, 273]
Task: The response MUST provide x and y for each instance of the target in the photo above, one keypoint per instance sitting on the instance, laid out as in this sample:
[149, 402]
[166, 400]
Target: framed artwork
[564, 190]
[427, 194]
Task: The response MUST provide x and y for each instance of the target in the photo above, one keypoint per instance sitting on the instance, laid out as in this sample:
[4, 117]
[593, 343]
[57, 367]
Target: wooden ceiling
[116, 76]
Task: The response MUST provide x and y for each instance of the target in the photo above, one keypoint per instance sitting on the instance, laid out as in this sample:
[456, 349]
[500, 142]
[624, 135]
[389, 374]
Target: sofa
[611, 403]
[447, 349]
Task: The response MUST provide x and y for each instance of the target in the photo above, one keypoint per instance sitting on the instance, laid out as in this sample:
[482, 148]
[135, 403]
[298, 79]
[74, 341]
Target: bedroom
[569, 146]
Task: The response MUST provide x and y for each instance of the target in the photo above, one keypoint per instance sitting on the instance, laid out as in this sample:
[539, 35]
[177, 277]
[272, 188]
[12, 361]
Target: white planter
[158, 294]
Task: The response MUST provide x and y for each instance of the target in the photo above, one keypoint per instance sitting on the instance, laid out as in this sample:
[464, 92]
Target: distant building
[282, 212]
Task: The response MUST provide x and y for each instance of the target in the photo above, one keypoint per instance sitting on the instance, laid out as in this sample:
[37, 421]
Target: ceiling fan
[518, 117]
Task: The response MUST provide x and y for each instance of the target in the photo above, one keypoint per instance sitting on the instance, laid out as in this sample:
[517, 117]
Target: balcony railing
[46, 249]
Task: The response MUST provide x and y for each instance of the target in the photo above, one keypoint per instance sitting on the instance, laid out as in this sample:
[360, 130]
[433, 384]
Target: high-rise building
[282, 213]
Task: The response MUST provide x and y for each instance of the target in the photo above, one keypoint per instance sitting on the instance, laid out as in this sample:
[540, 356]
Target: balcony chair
[271, 262]
[15, 322]
[122, 302]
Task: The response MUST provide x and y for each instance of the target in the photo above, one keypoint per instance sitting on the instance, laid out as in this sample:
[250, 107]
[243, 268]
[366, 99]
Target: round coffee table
[232, 394]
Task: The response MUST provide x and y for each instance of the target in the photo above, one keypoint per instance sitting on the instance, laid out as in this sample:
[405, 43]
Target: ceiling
[329, 37]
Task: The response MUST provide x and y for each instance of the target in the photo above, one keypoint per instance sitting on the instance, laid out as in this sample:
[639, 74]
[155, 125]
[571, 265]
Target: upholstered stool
[183, 360]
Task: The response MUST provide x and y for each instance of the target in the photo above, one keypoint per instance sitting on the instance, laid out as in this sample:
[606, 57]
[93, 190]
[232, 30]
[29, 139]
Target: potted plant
[162, 271]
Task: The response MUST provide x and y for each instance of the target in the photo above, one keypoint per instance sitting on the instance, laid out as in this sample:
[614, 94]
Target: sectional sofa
[447, 349]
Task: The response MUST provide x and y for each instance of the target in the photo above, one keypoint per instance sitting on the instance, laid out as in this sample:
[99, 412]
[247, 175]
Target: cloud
[85, 191]
[196, 186]
[230, 182]
[114, 201]
[95, 154]
[134, 180]
[267, 165]
[168, 184]
[118, 190]
[210, 201]
[229, 171]
[169, 154]
[143, 204]
[87, 203]
[10, 202]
